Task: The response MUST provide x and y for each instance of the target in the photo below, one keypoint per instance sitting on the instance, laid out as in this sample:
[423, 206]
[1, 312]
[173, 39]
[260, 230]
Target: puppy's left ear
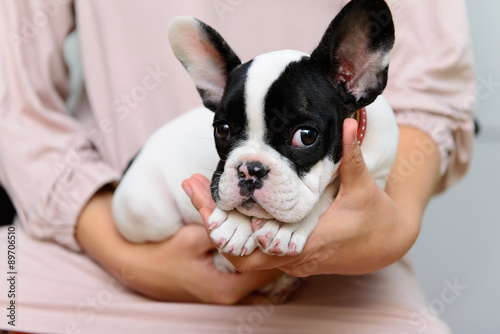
[354, 51]
[205, 55]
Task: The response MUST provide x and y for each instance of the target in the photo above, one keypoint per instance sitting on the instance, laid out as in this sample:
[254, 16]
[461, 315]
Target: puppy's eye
[304, 138]
[223, 132]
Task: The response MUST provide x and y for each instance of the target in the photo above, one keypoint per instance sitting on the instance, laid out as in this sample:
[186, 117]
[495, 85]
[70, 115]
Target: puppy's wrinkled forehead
[263, 72]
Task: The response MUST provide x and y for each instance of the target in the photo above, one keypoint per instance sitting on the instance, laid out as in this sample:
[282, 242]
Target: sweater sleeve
[432, 79]
[47, 165]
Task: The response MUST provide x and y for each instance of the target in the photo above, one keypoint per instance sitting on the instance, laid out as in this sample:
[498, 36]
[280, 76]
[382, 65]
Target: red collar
[362, 123]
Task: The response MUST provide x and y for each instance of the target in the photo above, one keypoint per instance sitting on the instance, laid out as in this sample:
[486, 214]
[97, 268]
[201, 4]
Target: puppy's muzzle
[251, 176]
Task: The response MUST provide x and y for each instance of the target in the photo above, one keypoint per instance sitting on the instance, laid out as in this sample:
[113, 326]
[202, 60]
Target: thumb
[352, 169]
[198, 189]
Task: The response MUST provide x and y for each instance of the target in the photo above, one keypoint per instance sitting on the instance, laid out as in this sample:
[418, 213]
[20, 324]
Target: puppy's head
[278, 118]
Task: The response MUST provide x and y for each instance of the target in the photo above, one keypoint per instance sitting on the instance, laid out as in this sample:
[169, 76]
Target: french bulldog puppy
[277, 125]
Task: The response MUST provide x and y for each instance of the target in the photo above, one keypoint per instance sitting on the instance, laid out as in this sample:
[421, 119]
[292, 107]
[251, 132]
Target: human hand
[364, 230]
[178, 269]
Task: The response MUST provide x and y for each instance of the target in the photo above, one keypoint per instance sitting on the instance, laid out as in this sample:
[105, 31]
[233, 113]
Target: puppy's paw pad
[275, 248]
[249, 247]
[285, 242]
[219, 243]
[266, 233]
[297, 243]
[293, 249]
[230, 250]
[222, 234]
[264, 239]
[233, 234]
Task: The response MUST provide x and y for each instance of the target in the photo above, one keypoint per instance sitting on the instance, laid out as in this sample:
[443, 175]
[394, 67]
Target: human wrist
[415, 174]
[410, 186]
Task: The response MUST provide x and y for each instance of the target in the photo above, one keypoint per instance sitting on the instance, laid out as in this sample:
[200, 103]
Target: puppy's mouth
[250, 207]
[249, 204]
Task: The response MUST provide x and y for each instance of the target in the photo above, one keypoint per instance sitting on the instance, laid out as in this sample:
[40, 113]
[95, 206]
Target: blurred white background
[459, 240]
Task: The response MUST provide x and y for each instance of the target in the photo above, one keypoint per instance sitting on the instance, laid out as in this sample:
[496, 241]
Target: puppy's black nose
[251, 175]
[252, 170]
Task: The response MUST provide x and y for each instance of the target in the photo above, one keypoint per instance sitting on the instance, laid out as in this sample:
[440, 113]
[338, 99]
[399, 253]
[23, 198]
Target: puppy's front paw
[280, 290]
[231, 232]
[277, 238]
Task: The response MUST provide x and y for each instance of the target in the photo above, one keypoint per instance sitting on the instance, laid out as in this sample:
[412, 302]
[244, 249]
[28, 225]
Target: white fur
[380, 145]
[149, 203]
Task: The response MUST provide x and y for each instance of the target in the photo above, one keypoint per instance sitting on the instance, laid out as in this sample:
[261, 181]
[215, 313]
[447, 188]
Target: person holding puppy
[64, 167]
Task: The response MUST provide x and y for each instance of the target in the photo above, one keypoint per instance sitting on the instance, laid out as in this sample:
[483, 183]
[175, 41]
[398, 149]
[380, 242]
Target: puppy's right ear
[205, 55]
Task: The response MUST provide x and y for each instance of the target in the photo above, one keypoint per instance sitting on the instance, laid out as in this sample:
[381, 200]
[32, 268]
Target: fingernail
[187, 189]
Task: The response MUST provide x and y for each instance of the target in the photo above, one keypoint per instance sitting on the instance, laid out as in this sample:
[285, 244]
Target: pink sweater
[52, 161]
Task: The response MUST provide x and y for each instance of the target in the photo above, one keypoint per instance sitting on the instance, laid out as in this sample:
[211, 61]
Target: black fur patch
[369, 19]
[302, 98]
[228, 60]
[232, 112]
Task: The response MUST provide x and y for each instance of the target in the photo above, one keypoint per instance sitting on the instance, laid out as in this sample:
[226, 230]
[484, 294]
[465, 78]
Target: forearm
[98, 236]
[416, 171]
[412, 181]
[96, 232]
[100, 239]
